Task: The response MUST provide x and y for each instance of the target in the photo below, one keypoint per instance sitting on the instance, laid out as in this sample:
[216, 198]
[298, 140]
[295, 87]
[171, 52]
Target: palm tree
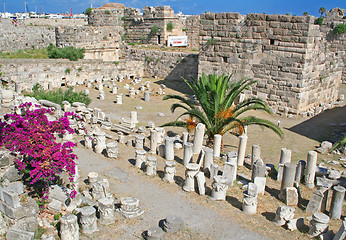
[217, 107]
[322, 10]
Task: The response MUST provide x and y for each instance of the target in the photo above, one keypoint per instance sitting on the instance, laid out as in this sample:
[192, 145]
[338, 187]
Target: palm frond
[251, 120]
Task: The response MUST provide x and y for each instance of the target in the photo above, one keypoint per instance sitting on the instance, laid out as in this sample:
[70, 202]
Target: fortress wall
[281, 52]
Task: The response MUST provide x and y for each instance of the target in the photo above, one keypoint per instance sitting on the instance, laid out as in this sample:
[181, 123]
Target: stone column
[259, 175]
[185, 137]
[217, 145]
[208, 158]
[188, 153]
[147, 96]
[106, 210]
[337, 202]
[114, 89]
[154, 139]
[250, 199]
[242, 149]
[92, 177]
[283, 215]
[151, 166]
[318, 224]
[133, 117]
[130, 207]
[88, 220]
[139, 142]
[287, 178]
[230, 172]
[198, 138]
[140, 158]
[132, 92]
[112, 150]
[88, 141]
[169, 148]
[219, 188]
[119, 99]
[100, 142]
[69, 229]
[161, 133]
[256, 153]
[285, 157]
[310, 170]
[299, 172]
[190, 173]
[169, 172]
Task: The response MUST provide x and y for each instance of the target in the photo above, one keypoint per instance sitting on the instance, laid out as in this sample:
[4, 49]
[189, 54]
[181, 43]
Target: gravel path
[158, 203]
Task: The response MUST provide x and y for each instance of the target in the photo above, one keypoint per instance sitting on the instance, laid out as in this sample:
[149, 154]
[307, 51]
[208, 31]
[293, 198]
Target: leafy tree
[322, 11]
[88, 11]
[169, 27]
[154, 30]
[217, 107]
[305, 14]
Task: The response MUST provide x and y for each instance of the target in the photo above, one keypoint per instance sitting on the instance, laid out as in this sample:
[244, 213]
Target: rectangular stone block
[11, 198]
[291, 198]
[15, 234]
[315, 202]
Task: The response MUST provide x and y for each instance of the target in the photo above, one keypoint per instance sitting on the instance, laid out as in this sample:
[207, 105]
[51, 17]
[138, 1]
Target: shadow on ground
[319, 127]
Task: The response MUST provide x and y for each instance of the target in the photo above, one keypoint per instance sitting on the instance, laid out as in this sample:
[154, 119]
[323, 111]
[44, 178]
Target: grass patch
[26, 54]
[59, 95]
[40, 232]
[339, 29]
[69, 52]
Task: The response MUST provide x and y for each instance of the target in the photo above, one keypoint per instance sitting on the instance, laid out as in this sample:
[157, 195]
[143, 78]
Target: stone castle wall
[102, 17]
[65, 22]
[192, 26]
[18, 37]
[168, 65]
[28, 72]
[283, 53]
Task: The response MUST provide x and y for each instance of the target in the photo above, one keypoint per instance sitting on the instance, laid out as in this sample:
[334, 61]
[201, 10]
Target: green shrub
[123, 18]
[319, 21]
[88, 11]
[154, 30]
[211, 41]
[69, 52]
[107, 12]
[338, 29]
[67, 70]
[59, 95]
[169, 27]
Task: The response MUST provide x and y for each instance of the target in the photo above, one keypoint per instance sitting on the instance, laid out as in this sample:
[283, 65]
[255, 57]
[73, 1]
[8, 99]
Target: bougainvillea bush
[31, 135]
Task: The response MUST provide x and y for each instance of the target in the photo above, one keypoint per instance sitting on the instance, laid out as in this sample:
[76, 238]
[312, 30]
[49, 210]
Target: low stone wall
[168, 65]
[28, 72]
[18, 37]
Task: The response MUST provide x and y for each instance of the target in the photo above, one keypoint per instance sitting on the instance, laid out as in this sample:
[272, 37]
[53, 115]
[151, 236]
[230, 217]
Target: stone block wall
[168, 65]
[283, 53]
[99, 42]
[28, 72]
[65, 22]
[192, 26]
[106, 17]
[13, 38]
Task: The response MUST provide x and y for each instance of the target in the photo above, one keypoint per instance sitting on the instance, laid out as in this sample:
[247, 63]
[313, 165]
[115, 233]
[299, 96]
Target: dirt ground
[301, 135]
